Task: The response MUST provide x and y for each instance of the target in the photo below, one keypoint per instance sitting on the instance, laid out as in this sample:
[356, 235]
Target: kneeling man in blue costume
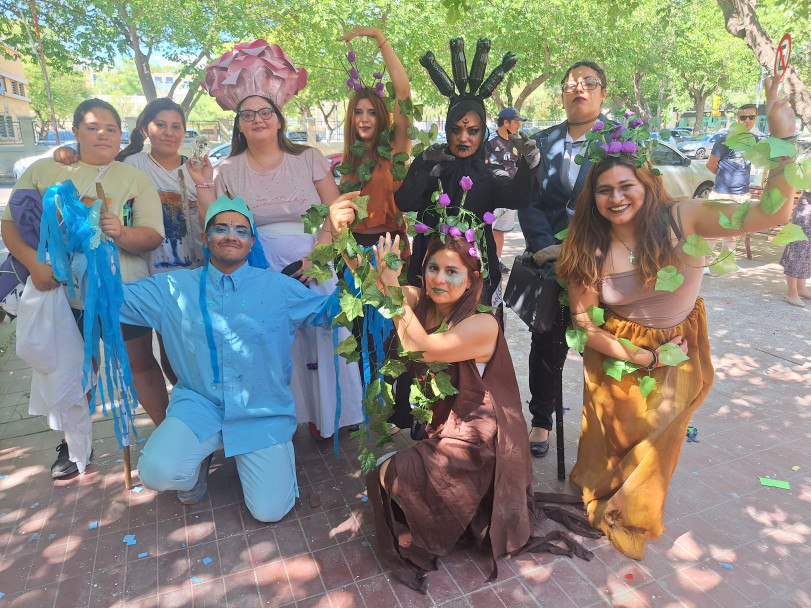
[228, 328]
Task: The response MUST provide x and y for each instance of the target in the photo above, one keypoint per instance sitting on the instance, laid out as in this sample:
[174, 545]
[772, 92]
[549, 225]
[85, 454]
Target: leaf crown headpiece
[628, 137]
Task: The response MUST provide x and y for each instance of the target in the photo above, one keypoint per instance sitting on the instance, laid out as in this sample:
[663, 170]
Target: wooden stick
[100, 195]
[127, 469]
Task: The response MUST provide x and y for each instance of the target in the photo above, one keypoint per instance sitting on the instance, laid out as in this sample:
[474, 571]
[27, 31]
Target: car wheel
[701, 153]
[703, 190]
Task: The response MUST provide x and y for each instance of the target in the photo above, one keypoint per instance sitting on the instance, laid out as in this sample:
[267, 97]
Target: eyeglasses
[750, 117]
[588, 84]
[250, 115]
[223, 230]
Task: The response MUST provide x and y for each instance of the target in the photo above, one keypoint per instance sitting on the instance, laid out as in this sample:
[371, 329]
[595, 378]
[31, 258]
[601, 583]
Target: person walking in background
[796, 260]
[502, 153]
[732, 172]
[583, 89]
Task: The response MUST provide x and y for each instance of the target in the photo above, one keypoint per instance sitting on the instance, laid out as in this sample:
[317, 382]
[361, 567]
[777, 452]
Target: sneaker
[504, 269]
[63, 466]
[200, 489]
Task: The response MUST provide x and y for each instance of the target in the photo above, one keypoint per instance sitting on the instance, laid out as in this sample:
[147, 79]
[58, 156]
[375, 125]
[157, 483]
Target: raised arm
[702, 217]
[399, 78]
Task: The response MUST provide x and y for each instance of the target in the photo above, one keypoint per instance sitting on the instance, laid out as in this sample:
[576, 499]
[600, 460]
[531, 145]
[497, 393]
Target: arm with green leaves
[473, 338]
[587, 317]
[718, 218]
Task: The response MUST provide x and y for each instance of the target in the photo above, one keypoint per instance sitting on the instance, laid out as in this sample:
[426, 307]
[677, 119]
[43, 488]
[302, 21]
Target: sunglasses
[223, 230]
[749, 117]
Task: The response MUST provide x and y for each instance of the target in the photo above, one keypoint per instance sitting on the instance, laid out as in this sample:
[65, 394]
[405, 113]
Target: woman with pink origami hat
[279, 181]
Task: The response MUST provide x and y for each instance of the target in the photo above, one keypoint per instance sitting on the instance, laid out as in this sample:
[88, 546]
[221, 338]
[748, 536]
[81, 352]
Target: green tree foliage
[68, 90]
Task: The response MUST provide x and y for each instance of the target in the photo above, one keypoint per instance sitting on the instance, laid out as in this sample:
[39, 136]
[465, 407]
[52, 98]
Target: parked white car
[21, 165]
[683, 178]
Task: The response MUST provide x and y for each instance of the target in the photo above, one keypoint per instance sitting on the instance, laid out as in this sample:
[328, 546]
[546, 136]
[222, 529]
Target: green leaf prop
[322, 274]
[442, 387]
[443, 327]
[372, 296]
[779, 148]
[362, 202]
[368, 461]
[646, 385]
[483, 308]
[393, 368]
[393, 261]
[576, 338]
[322, 254]
[736, 221]
[790, 233]
[771, 201]
[739, 138]
[358, 149]
[351, 305]
[798, 174]
[596, 314]
[616, 368]
[671, 354]
[760, 155]
[314, 218]
[347, 349]
[562, 234]
[563, 298]
[725, 263]
[668, 279]
[696, 246]
[630, 347]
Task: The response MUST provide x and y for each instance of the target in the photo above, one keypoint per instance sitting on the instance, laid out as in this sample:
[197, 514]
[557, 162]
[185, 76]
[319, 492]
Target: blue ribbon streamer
[103, 296]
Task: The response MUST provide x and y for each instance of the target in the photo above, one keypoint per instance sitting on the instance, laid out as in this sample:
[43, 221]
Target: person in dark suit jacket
[583, 89]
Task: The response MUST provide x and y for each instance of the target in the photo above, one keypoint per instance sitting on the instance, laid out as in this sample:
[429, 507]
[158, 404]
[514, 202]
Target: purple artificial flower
[444, 228]
[421, 228]
[489, 217]
[615, 147]
[350, 57]
[635, 122]
[357, 86]
[454, 231]
[599, 125]
[470, 235]
[380, 93]
[444, 200]
[473, 253]
[628, 147]
[350, 83]
[617, 133]
[466, 183]
[354, 73]
[380, 86]
[629, 113]
[377, 75]
[604, 147]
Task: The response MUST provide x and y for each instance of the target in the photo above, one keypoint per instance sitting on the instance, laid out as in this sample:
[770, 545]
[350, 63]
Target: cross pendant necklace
[631, 256]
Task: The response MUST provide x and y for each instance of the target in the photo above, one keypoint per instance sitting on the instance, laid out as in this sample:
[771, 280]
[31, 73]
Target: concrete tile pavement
[755, 423]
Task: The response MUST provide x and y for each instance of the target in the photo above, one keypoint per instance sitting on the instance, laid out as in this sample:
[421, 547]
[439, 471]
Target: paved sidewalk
[730, 542]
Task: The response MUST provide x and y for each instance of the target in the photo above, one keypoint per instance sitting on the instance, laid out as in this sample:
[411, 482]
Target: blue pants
[172, 457]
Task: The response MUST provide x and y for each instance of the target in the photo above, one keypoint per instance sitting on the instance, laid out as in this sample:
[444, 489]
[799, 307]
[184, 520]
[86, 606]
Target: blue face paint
[230, 228]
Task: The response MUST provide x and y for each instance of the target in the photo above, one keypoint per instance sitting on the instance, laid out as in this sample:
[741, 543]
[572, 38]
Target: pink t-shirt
[281, 195]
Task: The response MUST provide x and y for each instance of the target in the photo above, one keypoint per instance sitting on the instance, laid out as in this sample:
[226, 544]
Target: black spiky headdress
[469, 86]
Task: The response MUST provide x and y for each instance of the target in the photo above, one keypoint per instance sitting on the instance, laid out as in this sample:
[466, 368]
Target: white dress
[278, 199]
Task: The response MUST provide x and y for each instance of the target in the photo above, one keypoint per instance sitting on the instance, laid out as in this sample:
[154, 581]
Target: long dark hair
[382, 122]
[466, 305]
[589, 239]
[147, 115]
[239, 144]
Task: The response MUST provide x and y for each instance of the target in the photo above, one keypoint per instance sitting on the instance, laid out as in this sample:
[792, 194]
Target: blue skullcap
[228, 204]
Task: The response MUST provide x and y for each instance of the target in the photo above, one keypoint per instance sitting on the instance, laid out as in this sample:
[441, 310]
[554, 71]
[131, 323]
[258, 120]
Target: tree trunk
[700, 95]
[133, 39]
[742, 22]
[642, 107]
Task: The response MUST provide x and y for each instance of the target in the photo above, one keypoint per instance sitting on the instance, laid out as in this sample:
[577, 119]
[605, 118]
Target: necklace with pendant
[631, 256]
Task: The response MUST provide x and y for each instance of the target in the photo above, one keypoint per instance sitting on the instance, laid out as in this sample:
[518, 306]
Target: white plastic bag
[50, 342]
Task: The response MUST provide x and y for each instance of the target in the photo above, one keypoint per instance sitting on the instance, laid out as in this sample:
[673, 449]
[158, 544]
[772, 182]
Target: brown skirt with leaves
[630, 445]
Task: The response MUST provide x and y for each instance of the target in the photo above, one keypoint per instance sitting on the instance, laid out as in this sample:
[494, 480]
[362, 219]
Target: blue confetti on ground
[34, 536]
[734, 495]
[3, 476]
[194, 579]
[184, 545]
[94, 525]
[2, 515]
[207, 560]
[727, 566]
[144, 554]
[364, 499]
[129, 539]
[120, 460]
[51, 536]
[1, 594]
[691, 434]
[141, 441]
[138, 489]
[34, 506]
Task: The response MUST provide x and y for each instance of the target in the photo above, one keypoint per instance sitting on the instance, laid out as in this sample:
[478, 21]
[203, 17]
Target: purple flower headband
[629, 138]
[355, 83]
[464, 224]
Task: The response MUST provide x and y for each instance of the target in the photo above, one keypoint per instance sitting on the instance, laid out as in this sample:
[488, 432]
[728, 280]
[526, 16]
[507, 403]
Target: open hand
[201, 170]
[778, 111]
[359, 30]
[386, 245]
[66, 155]
[527, 148]
[437, 153]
